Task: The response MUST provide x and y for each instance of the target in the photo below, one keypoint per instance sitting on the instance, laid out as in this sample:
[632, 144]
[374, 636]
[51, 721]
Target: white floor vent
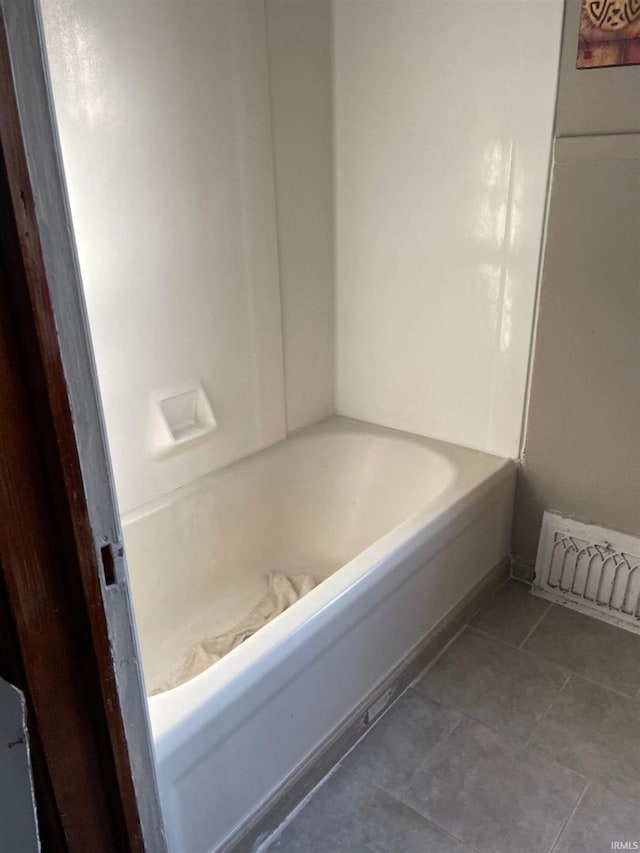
[590, 568]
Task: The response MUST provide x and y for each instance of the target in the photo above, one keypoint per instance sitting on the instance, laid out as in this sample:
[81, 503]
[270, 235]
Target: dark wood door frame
[65, 613]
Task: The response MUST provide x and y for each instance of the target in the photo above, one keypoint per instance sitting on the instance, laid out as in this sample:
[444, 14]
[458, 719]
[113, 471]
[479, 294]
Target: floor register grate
[590, 568]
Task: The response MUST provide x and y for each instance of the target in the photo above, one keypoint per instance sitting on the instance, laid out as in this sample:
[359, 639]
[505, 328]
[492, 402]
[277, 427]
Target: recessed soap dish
[182, 414]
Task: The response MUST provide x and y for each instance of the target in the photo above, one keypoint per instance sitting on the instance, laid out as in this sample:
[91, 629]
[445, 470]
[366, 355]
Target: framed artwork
[609, 33]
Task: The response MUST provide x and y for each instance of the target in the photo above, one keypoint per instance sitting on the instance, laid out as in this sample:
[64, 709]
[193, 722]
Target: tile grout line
[570, 816]
[469, 715]
[633, 697]
[432, 662]
[505, 734]
[509, 737]
[523, 651]
[547, 609]
[499, 640]
[428, 820]
[527, 742]
[398, 799]
[600, 783]
[514, 748]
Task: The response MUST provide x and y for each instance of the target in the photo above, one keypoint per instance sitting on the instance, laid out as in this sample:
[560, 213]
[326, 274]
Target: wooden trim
[57, 512]
[37, 577]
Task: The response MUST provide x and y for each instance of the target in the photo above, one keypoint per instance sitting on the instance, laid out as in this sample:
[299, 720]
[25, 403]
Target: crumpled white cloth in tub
[282, 592]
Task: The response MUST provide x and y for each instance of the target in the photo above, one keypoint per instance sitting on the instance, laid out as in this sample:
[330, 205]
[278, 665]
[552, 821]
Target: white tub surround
[400, 527]
[443, 125]
[305, 207]
[165, 130]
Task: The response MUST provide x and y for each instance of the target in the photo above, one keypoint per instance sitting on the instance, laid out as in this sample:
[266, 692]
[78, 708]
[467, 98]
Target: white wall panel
[163, 111]
[443, 114]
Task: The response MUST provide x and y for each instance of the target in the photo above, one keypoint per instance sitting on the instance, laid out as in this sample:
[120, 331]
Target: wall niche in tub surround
[163, 114]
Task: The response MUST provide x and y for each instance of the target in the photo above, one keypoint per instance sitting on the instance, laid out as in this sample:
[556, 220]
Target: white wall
[443, 114]
[163, 111]
[300, 67]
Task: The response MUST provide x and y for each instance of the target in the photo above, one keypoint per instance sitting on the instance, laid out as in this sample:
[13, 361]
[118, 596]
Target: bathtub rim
[331, 425]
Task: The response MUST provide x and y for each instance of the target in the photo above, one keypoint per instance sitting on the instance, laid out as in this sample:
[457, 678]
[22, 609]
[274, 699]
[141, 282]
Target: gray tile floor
[523, 736]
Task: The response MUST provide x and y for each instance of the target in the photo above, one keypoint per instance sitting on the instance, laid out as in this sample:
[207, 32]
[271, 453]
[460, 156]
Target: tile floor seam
[492, 637]
[527, 742]
[634, 688]
[470, 715]
[570, 816]
[501, 732]
[443, 739]
[421, 816]
[632, 698]
[447, 736]
[523, 747]
[519, 649]
[517, 751]
[598, 783]
[432, 662]
[547, 609]
[595, 778]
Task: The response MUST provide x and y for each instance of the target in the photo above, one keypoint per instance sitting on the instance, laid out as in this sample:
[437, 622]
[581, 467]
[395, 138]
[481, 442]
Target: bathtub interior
[198, 561]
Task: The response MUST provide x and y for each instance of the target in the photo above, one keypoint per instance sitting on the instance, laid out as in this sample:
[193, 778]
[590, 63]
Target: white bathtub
[400, 529]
